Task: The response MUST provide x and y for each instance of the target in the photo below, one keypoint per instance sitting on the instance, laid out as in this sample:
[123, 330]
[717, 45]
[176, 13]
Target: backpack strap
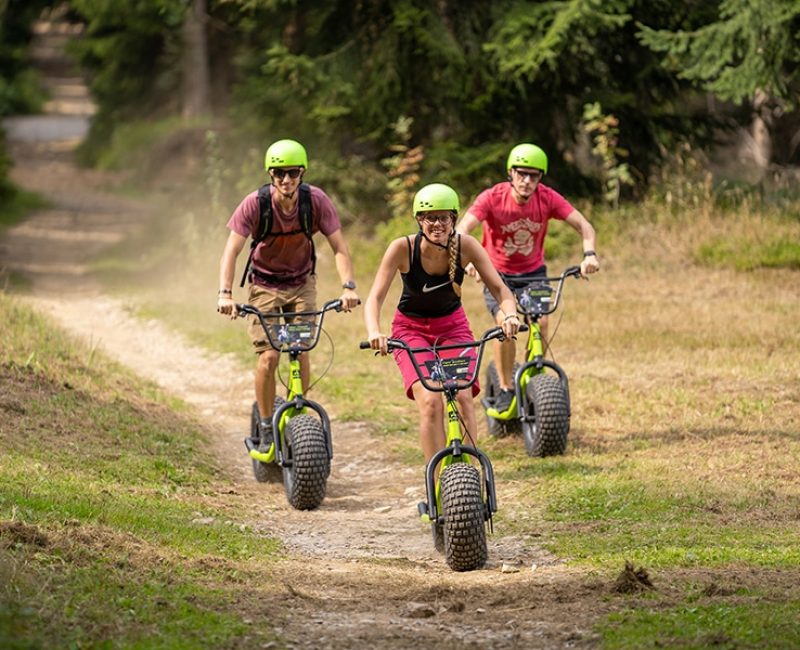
[264, 214]
[305, 221]
[263, 228]
[265, 221]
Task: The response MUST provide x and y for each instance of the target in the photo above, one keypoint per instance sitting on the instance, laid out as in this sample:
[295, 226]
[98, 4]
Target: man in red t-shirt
[514, 215]
[282, 264]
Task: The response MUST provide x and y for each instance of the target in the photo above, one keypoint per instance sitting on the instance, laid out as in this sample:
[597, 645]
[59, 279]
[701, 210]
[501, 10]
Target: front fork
[454, 452]
[534, 366]
[295, 405]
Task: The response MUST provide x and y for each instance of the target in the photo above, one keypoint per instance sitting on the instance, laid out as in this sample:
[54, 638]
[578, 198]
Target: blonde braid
[452, 251]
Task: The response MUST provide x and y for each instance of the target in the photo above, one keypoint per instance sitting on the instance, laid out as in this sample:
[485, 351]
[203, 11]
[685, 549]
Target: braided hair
[452, 251]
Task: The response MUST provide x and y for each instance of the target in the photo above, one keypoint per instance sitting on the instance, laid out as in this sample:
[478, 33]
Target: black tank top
[425, 295]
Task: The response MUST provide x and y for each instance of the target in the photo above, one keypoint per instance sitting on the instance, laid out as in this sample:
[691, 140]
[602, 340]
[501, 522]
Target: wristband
[510, 316]
[224, 292]
[589, 254]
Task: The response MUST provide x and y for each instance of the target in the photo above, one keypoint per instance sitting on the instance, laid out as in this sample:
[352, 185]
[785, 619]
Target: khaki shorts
[300, 298]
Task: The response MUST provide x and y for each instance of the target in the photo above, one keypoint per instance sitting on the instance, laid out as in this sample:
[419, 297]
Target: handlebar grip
[243, 308]
[364, 345]
[339, 306]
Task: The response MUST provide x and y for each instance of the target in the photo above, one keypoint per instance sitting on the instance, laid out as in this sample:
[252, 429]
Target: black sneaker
[504, 406]
[265, 434]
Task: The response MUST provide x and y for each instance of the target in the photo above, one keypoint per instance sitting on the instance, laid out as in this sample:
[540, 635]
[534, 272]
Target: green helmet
[527, 155]
[286, 153]
[436, 196]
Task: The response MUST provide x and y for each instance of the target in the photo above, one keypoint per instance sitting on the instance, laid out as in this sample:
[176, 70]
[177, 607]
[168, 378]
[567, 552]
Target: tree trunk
[196, 85]
[761, 132]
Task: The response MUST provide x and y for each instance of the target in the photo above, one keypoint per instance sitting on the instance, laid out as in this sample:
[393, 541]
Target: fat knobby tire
[464, 521]
[305, 479]
[546, 433]
[264, 472]
[498, 428]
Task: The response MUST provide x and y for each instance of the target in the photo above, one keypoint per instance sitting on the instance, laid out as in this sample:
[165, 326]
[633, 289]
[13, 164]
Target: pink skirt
[426, 332]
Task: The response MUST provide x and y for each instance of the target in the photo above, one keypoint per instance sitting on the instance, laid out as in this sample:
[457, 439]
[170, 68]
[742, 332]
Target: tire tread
[547, 435]
[464, 518]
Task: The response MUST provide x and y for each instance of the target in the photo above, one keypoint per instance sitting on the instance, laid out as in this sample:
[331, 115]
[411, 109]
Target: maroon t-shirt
[286, 256]
[513, 234]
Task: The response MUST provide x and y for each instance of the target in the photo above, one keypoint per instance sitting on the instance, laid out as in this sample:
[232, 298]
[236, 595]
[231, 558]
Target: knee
[430, 405]
[268, 361]
[465, 402]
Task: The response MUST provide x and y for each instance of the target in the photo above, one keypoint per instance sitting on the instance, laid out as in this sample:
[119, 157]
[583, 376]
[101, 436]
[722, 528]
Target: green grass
[110, 535]
[752, 624]
[745, 255]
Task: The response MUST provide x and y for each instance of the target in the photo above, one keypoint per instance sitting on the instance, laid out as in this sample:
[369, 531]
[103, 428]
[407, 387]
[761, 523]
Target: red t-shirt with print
[288, 255]
[513, 234]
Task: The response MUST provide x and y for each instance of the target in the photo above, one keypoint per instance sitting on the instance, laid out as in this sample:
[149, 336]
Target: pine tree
[753, 46]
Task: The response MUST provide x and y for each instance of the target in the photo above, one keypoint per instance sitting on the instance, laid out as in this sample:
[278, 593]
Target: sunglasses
[535, 175]
[279, 173]
[432, 219]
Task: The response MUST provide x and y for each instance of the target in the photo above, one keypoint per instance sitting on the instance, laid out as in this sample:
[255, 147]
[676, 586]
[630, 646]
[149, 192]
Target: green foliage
[19, 85]
[132, 49]
[21, 94]
[472, 78]
[556, 30]
[751, 46]
[402, 170]
[604, 131]
[361, 69]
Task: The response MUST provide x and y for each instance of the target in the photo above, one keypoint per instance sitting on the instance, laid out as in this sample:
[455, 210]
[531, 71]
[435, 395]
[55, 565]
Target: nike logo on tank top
[427, 289]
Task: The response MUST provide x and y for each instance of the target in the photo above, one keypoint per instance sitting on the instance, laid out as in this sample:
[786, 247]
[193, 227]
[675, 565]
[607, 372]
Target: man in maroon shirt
[282, 264]
[514, 215]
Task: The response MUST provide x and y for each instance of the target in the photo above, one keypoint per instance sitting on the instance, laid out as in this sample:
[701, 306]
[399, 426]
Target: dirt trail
[362, 567]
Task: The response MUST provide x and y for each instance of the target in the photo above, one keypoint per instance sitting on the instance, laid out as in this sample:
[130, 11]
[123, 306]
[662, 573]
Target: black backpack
[264, 229]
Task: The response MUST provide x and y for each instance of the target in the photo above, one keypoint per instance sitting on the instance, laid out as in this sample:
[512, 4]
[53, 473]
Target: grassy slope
[111, 531]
